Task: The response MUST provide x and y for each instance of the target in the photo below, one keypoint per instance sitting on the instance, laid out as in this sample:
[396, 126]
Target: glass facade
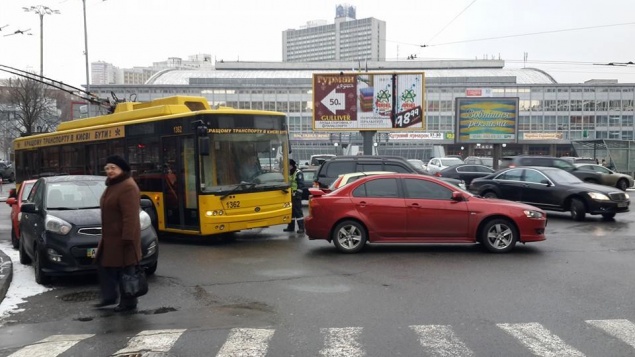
[554, 114]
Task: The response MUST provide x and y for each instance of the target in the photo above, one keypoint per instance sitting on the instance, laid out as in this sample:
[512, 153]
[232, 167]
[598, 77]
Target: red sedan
[408, 208]
[15, 201]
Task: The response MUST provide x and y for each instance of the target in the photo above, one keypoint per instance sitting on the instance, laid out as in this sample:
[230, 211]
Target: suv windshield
[74, 195]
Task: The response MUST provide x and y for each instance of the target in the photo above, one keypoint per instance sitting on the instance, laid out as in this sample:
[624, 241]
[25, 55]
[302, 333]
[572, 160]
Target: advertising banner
[486, 120]
[368, 101]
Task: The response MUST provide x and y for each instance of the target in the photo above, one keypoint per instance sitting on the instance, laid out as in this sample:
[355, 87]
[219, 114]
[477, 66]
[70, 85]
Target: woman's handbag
[133, 282]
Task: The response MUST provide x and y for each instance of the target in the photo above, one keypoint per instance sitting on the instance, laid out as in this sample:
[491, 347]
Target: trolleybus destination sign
[368, 101]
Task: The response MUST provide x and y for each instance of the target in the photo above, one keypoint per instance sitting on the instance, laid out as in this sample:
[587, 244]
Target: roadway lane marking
[539, 340]
[246, 342]
[619, 328]
[50, 346]
[440, 340]
[342, 342]
[150, 342]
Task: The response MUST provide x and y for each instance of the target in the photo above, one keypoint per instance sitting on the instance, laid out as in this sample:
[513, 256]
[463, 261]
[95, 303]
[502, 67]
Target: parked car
[309, 176]
[480, 160]
[331, 169]
[550, 161]
[268, 164]
[60, 227]
[552, 189]
[407, 208]
[418, 164]
[15, 201]
[437, 164]
[317, 160]
[609, 177]
[345, 179]
[6, 172]
[579, 160]
[465, 172]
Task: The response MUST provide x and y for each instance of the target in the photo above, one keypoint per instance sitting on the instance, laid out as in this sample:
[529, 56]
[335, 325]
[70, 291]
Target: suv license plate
[91, 252]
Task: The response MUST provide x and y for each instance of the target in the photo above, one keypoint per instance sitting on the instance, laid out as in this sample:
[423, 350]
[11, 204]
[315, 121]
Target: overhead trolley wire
[529, 34]
[451, 21]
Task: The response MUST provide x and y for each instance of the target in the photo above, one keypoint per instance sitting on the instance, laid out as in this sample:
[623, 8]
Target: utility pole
[86, 54]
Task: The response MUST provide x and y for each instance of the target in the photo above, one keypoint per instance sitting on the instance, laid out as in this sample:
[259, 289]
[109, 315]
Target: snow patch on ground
[22, 286]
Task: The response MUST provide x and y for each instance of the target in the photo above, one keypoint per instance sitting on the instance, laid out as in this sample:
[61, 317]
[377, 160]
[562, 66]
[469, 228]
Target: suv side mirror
[28, 207]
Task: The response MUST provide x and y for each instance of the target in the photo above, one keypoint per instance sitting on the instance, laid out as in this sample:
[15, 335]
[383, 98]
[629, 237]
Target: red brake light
[437, 174]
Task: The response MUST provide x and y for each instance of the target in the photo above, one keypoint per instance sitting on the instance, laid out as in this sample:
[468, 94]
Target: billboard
[486, 120]
[368, 101]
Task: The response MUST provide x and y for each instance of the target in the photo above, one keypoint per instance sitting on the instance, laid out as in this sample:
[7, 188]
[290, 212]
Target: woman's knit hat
[119, 161]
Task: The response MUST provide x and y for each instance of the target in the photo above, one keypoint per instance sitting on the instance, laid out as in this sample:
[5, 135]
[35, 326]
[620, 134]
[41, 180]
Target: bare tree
[34, 106]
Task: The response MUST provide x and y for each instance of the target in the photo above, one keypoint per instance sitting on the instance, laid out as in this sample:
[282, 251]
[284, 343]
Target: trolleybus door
[179, 183]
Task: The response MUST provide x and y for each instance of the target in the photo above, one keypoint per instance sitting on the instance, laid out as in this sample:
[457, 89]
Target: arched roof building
[551, 114]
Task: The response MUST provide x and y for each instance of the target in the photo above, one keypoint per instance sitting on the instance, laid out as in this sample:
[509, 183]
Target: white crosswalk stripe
[50, 346]
[621, 329]
[440, 340]
[151, 342]
[246, 342]
[434, 340]
[540, 341]
[342, 342]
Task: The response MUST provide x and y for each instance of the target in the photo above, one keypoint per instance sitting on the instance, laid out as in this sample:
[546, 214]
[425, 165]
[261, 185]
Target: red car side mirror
[457, 196]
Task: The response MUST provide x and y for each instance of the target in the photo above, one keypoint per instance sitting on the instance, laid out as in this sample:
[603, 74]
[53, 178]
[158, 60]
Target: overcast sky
[131, 33]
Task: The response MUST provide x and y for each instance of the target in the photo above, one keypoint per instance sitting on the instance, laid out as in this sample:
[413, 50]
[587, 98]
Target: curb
[6, 274]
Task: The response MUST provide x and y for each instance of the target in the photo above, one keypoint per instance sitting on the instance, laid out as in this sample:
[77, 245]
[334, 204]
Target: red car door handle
[415, 205]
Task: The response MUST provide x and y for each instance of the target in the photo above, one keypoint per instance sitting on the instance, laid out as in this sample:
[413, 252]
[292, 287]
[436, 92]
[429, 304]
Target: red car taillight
[437, 174]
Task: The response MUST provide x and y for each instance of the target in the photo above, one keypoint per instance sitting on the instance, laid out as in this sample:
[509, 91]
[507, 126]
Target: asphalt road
[283, 295]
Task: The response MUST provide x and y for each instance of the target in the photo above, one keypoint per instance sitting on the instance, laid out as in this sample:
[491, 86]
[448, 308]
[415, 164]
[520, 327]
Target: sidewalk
[6, 266]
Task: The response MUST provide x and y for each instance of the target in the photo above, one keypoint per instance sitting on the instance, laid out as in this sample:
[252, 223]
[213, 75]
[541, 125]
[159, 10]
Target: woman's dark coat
[120, 243]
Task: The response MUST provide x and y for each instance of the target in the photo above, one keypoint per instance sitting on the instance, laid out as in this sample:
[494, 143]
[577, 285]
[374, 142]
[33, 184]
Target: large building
[551, 114]
[106, 73]
[348, 39]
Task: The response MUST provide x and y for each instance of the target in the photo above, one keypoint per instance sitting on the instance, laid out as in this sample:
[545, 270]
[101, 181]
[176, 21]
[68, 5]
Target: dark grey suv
[339, 165]
[550, 161]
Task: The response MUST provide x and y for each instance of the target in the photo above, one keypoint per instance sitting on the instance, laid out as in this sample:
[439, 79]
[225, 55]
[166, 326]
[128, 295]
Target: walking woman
[120, 245]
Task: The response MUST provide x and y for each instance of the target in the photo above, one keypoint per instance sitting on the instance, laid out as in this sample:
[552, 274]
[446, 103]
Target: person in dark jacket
[296, 179]
[119, 248]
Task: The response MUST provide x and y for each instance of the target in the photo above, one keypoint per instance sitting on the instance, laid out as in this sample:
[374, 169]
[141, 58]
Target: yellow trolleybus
[200, 166]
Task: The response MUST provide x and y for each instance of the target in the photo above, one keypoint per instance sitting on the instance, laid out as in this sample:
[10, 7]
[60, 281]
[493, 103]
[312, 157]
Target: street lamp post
[41, 10]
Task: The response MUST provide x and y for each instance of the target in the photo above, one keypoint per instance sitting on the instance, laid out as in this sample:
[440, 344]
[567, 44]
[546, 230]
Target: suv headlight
[57, 225]
[598, 196]
[144, 220]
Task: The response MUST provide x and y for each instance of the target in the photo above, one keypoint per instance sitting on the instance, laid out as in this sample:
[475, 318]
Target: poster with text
[378, 101]
[486, 120]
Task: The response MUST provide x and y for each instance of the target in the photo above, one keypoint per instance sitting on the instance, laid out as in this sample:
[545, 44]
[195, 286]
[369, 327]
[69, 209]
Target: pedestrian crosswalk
[433, 340]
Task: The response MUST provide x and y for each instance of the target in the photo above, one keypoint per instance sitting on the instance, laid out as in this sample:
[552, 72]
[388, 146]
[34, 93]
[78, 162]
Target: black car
[331, 169]
[60, 227]
[552, 189]
[550, 161]
[465, 172]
